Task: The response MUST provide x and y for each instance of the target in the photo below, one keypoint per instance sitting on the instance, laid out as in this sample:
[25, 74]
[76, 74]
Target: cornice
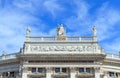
[60, 42]
[62, 56]
[9, 61]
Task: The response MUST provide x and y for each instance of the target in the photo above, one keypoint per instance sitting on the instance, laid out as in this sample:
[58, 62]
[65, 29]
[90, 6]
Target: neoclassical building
[60, 56]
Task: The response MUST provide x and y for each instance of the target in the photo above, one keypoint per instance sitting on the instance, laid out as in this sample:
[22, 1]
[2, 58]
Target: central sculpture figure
[61, 31]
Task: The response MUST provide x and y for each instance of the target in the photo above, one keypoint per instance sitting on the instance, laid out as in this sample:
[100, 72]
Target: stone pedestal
[72, 72]
[48, 72]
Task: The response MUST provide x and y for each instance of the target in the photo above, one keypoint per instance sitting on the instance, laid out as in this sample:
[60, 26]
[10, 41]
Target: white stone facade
[60, 57]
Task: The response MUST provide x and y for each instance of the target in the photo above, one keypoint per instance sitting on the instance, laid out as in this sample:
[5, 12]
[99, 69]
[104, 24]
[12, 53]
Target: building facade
[60, 56]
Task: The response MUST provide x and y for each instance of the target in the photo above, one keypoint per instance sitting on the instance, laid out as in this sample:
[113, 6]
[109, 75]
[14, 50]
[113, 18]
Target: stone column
[48, 72]
[72, 72]
[1, 75]
[24, 72]
[105, 74]
[97, 72]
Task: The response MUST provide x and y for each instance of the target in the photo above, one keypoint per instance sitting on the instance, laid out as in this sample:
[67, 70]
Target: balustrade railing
[112, 56]
[8, 56]
[67, 38]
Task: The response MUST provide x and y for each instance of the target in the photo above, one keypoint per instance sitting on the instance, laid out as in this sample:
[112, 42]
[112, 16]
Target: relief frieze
[62, 48]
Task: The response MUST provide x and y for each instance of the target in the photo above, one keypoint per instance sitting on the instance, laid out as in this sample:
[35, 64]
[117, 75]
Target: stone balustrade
[67, 38]
[112, 56]
[8, 56]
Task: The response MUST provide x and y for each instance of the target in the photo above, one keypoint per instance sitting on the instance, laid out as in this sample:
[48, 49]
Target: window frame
[81, 70]
[32, 70]
[88, 70]
[41, 70]
[57, 70]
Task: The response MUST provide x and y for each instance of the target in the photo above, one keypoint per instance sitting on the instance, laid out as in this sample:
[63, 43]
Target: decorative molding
[56, 48]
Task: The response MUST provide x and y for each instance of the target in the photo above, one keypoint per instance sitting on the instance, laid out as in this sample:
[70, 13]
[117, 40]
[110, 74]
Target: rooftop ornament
[61, 30]
[28, 30]
[94, 33]
[61, 33]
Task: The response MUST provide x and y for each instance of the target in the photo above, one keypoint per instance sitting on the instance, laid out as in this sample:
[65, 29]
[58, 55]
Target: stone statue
[94, 31]
[28, 31]
[61, 31]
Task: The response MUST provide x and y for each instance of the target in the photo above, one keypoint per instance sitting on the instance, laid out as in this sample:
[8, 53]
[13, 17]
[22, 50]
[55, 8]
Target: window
[33, 70]
[116, 74]
[5, 74]
[111, 74]
[40, 70]
[81, 70]
[12, 74]
[88, 70]
[57, 70]
[64, 70]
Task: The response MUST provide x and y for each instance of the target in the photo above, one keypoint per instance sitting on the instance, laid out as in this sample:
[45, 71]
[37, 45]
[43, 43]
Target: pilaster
[97, 72]
[72, 72]
[1, 75]
[48, 72]
[105, 74]
[24, 72]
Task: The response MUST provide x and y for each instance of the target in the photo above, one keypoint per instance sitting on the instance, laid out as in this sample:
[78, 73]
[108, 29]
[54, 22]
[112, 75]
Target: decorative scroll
[63, 48]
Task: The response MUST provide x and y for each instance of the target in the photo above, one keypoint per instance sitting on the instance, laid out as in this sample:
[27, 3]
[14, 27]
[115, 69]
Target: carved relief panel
[56, 48]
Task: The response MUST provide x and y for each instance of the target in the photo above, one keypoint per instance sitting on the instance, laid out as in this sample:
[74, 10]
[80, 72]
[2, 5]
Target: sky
[43, 17]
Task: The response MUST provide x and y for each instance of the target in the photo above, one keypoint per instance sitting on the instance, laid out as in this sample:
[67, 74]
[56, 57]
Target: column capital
[25, 69]
[72, 69]
[49, 69]
[97, 69]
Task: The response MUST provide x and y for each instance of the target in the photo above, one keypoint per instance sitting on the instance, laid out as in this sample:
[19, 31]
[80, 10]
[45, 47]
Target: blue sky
[43, 17]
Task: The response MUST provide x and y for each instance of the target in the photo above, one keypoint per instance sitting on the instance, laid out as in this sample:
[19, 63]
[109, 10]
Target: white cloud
[113, 47]
[13, 23]
[80, 19]
[106, 19]
[17, 16]
[53, 7]
[53, 32]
